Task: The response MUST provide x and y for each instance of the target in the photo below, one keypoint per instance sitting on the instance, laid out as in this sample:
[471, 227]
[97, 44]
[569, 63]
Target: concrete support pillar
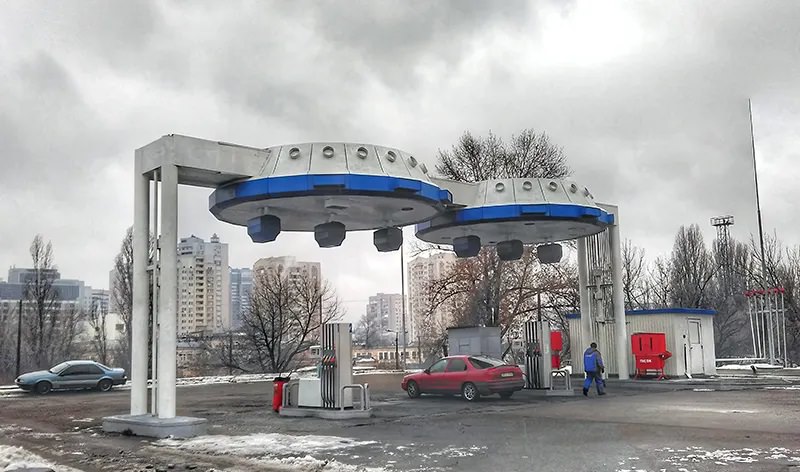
[618, 300]
[168, 293]
[586, 305]
[141, 294]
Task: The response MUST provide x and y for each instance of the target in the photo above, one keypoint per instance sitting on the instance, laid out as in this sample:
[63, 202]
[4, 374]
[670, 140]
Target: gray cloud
[649, 102]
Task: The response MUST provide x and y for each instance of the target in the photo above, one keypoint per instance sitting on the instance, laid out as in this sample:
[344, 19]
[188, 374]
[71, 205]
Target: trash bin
[277, 393]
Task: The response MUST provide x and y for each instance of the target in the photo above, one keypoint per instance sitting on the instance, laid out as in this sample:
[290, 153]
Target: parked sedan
[72, 375]
[471, 376]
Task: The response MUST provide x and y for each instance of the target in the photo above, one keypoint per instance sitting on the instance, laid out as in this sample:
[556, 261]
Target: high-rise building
[101, 300]
[423, 270]
[241, 288]
[387, 310]
[203, 286]
[23, 276]
[70, 294]
[290, 266]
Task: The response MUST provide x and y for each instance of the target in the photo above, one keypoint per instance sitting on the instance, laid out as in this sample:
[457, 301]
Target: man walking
[593, 366]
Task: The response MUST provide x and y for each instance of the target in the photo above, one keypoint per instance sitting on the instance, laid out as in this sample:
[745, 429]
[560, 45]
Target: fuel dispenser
[330, 394]
[336, 365]
[538, 356]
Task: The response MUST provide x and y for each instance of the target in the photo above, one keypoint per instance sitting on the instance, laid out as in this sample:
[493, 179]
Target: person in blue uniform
[593, 366]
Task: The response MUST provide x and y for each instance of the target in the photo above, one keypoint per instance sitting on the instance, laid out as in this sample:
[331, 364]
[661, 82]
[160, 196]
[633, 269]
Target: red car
[471, 376]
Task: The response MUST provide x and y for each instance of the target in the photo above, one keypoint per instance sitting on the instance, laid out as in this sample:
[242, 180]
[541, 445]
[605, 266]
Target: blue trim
[542, 210]
[658, 311]
[326, 184]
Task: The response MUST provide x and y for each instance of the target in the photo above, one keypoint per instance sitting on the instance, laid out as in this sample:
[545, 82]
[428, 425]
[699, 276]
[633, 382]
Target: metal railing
[364, 403]
[561, 373]
[286, 400]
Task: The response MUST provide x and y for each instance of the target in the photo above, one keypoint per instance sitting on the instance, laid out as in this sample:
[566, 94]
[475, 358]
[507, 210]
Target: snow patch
[696, 455]
[12, 458]
[261, 444]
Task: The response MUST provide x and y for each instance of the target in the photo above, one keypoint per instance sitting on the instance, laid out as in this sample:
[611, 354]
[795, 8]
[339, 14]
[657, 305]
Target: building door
[696, 363]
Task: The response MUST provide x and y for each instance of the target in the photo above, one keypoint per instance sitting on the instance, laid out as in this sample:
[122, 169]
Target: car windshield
[488, 361]
[104, 367]
[57, 369]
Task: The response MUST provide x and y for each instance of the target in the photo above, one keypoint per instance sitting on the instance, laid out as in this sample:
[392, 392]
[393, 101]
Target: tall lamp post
[19, 335]
[397, 347]
[403, 296]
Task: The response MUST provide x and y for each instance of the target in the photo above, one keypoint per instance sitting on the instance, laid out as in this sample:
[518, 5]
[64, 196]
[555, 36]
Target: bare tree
[726, 297]
[97, 319]
[8, 340]
[529, 154]
[368, 331]
[634, 275]
[692, 269]
[285, 314]
[121, 296]
[51, 323]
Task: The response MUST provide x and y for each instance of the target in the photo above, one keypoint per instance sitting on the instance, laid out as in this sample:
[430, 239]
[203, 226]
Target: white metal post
[168, 294]
[403, 296]
[617, 298]
[154, 328]
[585, 304]
[141, 294]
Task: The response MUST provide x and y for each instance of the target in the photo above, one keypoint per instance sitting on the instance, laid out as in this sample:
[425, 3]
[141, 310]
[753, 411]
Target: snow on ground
[263, 443]
[749, 367]
[274, 448]
[13, 458]
[691, 456]
[305, 452]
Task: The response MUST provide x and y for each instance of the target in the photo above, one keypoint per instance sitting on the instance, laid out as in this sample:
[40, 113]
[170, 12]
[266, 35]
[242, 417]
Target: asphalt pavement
[702, 425]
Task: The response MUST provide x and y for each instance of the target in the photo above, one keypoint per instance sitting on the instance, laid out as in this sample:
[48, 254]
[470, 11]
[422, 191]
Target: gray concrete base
[560, 393]
[155, 427]
[325, 414]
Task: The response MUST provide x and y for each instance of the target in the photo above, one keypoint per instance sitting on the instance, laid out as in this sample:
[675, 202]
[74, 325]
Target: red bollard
[277, 394]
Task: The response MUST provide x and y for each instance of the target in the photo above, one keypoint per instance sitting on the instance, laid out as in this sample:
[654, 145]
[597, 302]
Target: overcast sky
[648, 99]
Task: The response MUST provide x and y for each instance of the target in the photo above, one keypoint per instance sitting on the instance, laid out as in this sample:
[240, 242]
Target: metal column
[168, 296]
[618, 302]
[585, 303]
[141, 294]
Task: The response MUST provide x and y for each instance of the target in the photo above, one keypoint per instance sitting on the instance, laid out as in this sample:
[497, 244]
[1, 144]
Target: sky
[647, 99]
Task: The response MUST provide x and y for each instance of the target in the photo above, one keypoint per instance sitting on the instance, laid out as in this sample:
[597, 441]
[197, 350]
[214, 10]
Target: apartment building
[204, 305]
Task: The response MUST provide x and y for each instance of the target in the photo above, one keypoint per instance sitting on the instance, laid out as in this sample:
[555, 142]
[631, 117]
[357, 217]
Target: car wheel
[412, 389]
[470, 392]
[506, 395]
[43, 388]
[104, 385]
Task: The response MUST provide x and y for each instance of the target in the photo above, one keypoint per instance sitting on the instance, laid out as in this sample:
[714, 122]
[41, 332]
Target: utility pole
[764, 282]
[396, 351]
[19, 334]
[403, 296]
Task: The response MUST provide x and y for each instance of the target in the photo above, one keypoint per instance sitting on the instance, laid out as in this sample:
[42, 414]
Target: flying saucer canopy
[331, 188]
[510, 212]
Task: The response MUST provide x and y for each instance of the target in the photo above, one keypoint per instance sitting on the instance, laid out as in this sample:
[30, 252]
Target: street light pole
[396, 351]
[19, 334]
[403, 296]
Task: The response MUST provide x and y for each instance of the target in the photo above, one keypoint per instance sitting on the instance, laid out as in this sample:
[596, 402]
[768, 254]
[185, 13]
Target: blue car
[72, 375]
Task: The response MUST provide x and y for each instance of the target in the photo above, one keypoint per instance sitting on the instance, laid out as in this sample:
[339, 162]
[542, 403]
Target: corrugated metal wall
[604, 337]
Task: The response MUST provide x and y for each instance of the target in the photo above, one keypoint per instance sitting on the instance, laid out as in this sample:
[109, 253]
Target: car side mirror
[427, 371]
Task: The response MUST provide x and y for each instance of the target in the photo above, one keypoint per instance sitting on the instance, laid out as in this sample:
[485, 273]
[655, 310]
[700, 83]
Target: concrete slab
[154, 427]
[325, 414]
[560, 393]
